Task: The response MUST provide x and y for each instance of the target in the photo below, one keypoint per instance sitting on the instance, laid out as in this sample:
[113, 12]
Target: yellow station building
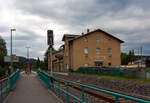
[92, 49]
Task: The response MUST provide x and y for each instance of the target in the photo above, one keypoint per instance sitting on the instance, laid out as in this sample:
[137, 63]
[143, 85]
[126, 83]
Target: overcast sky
[129, 20]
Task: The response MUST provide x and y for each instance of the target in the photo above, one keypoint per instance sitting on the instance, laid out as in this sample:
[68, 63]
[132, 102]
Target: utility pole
[141, 55]
[28, 68]
[11, 63]
[138, 57]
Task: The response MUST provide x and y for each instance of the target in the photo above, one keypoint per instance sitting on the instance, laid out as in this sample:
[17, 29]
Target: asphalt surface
[29, 89]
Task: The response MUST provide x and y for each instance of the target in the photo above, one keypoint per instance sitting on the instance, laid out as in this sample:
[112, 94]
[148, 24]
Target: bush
[71, 70]
[2, 72]
[110, 71]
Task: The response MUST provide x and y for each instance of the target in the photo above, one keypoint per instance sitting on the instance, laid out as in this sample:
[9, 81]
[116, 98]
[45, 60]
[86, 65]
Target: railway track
[100, 97]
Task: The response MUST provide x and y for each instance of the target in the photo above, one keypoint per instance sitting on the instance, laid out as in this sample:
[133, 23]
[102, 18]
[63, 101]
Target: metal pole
[28, 59]
[51, 69]
[11, 63]
[141, 56]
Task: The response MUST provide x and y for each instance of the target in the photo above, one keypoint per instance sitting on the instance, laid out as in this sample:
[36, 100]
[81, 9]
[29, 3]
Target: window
[85, 39]
[109, 41]
[98, 50]
[67, 66]
[109, 51]
[67, 53]
[85, 50]
[86, 65]
[97, 39]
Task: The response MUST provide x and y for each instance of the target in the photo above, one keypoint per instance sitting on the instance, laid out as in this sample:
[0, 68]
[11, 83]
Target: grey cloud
[126, 19]
[3, 28]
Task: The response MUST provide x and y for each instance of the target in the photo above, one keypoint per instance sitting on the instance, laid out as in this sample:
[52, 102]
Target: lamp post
[11, 63]
[28, 58]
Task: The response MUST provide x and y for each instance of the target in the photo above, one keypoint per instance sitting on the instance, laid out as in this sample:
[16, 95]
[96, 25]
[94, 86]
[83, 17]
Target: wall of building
[79, 57]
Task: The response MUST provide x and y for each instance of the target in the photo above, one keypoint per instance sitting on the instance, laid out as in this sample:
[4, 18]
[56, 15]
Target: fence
[117, 72]
[8, 84]
[49, 81]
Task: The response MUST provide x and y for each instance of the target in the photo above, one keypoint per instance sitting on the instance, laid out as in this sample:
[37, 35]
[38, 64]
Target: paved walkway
[30, 90]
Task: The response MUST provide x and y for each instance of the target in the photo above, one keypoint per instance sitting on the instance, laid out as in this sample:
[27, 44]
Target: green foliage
[38, 62]
[115, 71]
[3, 51]
[2, 71]
[126, 58]
[147, 62]
[46, 60]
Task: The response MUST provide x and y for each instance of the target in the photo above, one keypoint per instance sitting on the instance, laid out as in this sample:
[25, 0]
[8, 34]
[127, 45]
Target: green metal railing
[50, 83]
[8, 84]
[13, 79]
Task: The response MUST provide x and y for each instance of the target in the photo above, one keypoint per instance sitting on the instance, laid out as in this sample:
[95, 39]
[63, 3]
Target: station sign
[14, 58]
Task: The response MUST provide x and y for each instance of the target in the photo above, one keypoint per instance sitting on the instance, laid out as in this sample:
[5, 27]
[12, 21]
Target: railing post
[116, 99]
[6, 87]
[52, 80]
[83, 97]
[1, 91]
[58, 88]
[48, 82]
[67, 91]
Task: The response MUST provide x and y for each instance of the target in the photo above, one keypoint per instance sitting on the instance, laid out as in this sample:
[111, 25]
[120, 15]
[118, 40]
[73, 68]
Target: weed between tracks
[117, 78]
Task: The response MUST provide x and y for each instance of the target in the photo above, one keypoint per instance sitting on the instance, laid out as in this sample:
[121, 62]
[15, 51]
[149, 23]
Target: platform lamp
[50, 43]
[11, 62]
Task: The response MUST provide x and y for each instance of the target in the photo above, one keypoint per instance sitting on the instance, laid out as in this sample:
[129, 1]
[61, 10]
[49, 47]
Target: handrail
[82, 100]
[9, 84]
[14, 78]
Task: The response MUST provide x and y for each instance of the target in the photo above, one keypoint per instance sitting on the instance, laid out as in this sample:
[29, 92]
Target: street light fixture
[11, 65]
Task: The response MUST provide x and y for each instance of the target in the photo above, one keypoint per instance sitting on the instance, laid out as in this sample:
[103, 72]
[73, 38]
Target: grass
[116, 78]
[123, 78]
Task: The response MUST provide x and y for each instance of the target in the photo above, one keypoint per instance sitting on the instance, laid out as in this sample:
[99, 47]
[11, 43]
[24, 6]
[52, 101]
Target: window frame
[109, 41]
[86, 64]
[86, 50]
[109, 51]
[98, 52]
[85, 39]
[97, 39]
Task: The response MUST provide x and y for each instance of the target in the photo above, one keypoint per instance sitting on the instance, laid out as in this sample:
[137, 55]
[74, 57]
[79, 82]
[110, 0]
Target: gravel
[127, 86]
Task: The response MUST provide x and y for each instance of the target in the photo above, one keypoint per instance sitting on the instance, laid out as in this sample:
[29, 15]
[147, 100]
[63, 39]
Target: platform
[29, 89]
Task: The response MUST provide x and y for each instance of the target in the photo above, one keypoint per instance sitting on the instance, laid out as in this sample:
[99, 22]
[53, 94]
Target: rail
[7, 84]
[49, 82]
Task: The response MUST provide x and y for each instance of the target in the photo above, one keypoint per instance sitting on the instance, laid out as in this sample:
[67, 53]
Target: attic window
[85, 39]
[97, 39]
[109, 41]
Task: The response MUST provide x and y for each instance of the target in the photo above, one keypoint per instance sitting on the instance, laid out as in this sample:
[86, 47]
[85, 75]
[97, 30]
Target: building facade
[93, 49]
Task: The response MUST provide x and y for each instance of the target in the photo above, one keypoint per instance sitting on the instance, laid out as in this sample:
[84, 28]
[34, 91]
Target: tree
[38, 62]
[147, 62]
[46, 59]
[126, 58]
[3, 51]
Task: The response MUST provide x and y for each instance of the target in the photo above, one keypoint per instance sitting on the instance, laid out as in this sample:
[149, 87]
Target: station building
[92, 49]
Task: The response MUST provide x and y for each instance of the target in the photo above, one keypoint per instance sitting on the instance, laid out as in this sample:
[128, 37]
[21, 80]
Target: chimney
[82, 33]
[88, 30]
